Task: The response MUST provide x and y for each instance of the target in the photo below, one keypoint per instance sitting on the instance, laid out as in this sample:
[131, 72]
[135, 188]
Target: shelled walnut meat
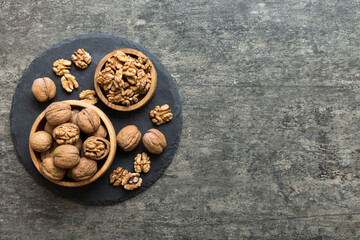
[125, 79]
[160, 115]
[154, 141]
[88, 120]
[84, 170]
[43, 89]
[66, 156]
[40, 141]
[88, 96]
[69, 82]
[117, 175]
[61, 67]
[142, 163]
[128, 138]
[66, 133]
[96, 148]
[81, 58]
[58, 113]
[131, 181]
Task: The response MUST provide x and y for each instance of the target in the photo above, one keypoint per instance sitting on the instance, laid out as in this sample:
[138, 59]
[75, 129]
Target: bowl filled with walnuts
[72, 143]
[125, 79]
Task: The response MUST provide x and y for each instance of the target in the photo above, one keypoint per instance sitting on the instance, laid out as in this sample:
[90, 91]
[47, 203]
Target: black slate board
[25, 109]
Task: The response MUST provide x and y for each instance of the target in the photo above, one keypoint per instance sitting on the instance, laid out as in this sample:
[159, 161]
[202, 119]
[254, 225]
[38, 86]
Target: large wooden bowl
[119, 107]
[104, 164]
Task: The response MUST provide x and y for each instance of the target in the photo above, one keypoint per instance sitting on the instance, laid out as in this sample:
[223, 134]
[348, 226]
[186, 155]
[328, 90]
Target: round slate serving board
[25, 109]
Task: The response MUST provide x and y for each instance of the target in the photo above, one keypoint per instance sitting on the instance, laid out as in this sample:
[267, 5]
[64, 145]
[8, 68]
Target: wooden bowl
[39, 125]
[119, 107]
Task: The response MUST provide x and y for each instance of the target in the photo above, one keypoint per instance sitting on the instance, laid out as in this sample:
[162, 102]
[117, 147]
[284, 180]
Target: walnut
[48, 169]
[125, 79]
[161, 115]
[154, 141]
[61, 67]
[131, 181]
[40, 141]
[69, 82]
[74, 114]
[58, 113]
[88, 120]
[84, 170]
[88, 96]
[66, 133]
[43, 89]
[128, 138]
[49, 128]
[125, 97]
[81, 58]
[117, 175]
[96, 148]
[66, 156]
[78, 144]
[142, 163]
[100, 132]
[49, 152]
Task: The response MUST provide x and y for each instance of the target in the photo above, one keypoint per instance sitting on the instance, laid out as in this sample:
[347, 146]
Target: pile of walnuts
[63, 153]
[125, 79]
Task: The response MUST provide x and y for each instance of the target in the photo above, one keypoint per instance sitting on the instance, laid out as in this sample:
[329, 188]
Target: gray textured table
[270, 146]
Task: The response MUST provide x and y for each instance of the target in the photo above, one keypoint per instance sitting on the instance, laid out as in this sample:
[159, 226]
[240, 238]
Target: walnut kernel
[66, 133]
[81, 58]
[160, 115]
[131, 181]
[96, 148]
[61, 67]
[117, 175]
[69, 82]
[88, 96]
[142, 163]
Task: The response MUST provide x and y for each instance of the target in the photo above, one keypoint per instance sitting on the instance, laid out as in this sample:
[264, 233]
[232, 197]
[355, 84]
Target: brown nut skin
[84, 170]
[74, 114]
[128, 138]
[66, 133]
[154, 141]
[40, 141]
[49, 128]
[91, 152]
[88, 120]
[78, 144]
[100, 132]
[49, 152]
[66, 156]
[48, 169]
[58, 113]
[43, 89]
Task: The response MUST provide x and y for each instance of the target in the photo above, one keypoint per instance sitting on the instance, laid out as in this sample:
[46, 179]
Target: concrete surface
[270, 142]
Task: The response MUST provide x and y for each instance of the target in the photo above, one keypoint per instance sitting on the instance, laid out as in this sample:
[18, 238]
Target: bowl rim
[137, 105]
[112, 139]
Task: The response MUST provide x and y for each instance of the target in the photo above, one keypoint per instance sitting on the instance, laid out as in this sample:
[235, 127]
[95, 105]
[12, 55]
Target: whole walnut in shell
[154, 141]
[96, 148]
[88, 120]
[43, 89]
[66, 133]
[58, 113]
[74, 114]
[48, 169]
[49, 152]
[49, 128]
[40, 141]
[100, 132]
[128, 138]
[66, 156]
[84, 170]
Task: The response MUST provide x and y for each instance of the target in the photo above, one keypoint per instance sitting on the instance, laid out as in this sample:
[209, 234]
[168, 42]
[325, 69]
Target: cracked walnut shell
[51, 171]
[142, 163]
[43, 89]
[66, 133]
[69, 82]
[81, 58]
[84, 170]
[61, 67]
[154, 141]
[160, 115]
[117, 175]
[96, 148]
[131, 181]
[128, 138]
[88, 96]
[58, 113]
[66, 156]
[40, 141]
[88, 120]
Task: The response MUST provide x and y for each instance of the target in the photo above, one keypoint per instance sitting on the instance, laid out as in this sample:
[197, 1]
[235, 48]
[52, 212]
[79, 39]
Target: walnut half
[88, 96]
[81, 58]
[142, 163]
[131, 181]
[117, 176]
[68, 82]
[160, 115]
[61, 67]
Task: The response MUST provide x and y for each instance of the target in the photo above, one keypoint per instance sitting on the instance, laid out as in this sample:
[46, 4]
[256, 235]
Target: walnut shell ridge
[154, 141]
[66, 156]
[58, 113]
[88, 120]
[128, 138]
[43, 89]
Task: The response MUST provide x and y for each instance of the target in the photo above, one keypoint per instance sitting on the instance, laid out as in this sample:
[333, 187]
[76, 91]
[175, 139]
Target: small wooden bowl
[39, 125]
[119, 107]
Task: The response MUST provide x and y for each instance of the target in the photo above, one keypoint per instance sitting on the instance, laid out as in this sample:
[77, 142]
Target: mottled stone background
[270, 142]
